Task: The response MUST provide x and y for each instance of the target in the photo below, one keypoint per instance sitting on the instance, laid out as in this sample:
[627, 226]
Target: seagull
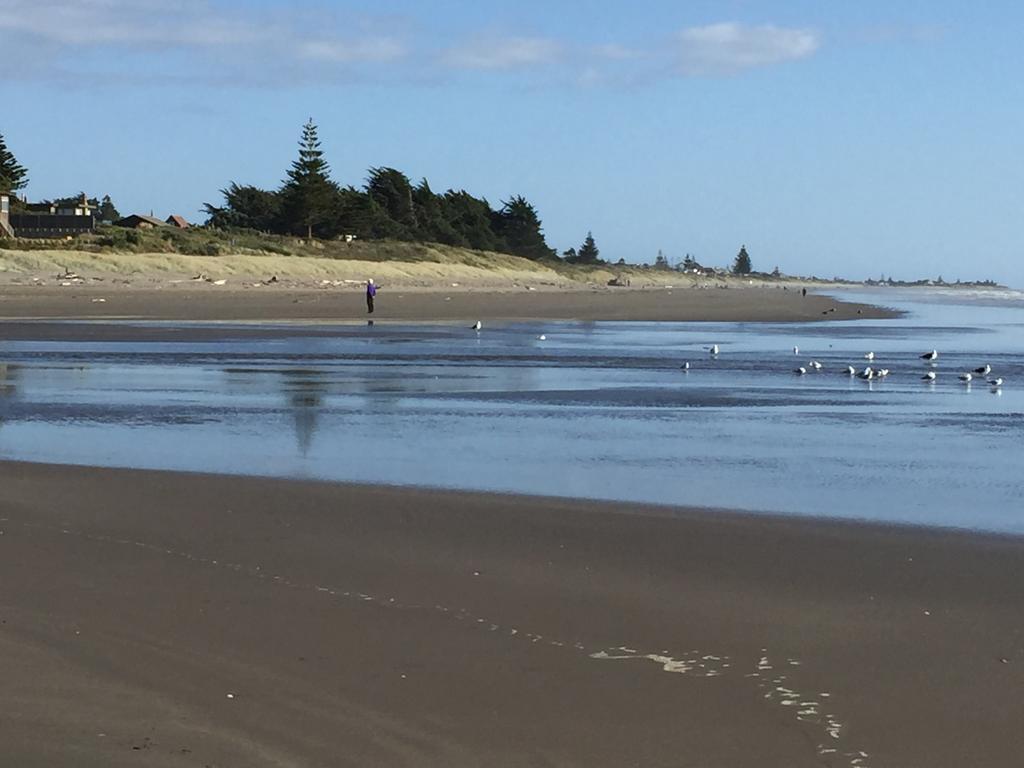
[867, 374]
[713, 349]
[796, 350]
[930, 376]
[685, 366]
[996, 383]
[984, 370]
[851, 371]
[882, 373]
[930, 356]
[815, 365]
[966, 378]
[476, 326]
[542, 337]
[869, 356]
[800, 371]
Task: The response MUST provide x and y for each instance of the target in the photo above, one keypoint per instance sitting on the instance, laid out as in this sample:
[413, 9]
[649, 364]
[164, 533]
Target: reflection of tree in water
[9, 375]
[305, 390]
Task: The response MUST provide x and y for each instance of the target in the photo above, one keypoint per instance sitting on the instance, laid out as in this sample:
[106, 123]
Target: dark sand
[133, 603]
[340, 304]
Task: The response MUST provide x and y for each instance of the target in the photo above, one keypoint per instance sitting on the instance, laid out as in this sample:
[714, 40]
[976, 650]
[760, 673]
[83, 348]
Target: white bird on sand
[930, 376]
[851, 371]
[930, 356]
[815, 365]
[800, 371]
[476, 326]
[984, 370]
[867, 374]
[966, 377]
[997, 383]
[869, 356]
[542, 337]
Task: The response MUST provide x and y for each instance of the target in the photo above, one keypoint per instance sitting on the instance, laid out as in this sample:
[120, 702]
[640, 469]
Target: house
[50, 225]
[44, 221]
[177, 221]
[81, 208]
[5, 217]
[139, 221]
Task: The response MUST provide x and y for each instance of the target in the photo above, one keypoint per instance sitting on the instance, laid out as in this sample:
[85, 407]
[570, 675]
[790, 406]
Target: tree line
[389, 206]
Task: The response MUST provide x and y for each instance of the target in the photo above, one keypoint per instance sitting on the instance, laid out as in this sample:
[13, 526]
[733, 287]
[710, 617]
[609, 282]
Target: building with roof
[139, 221]
[177, 221]
[5, 217]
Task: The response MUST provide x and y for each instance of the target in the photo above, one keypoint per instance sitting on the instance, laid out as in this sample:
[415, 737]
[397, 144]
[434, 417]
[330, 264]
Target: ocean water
[597, 410]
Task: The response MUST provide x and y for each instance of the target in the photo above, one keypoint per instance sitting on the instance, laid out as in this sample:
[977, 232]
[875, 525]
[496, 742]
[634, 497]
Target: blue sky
[833, 139]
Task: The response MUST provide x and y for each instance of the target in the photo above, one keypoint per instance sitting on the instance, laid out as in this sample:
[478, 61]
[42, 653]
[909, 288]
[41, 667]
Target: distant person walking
[371, 292]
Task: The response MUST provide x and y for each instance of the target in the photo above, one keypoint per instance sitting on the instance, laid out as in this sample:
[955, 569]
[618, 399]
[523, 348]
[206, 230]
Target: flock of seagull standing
[870, 373]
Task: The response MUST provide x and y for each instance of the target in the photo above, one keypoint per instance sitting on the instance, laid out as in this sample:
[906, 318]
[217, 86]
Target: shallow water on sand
[598, 410]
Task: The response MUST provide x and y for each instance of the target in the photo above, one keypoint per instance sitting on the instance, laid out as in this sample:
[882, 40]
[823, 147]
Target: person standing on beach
[371, 291]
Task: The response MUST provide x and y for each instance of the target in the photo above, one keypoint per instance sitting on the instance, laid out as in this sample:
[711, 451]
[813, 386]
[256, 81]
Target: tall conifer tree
[308, 197]
[13, 176]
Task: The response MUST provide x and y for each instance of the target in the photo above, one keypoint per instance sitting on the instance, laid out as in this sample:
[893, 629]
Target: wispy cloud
[504, 53]
[221, 42]
[224, 44]
[729, 48]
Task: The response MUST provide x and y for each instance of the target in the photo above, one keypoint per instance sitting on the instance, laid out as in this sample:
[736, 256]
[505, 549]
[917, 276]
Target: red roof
[177, 221]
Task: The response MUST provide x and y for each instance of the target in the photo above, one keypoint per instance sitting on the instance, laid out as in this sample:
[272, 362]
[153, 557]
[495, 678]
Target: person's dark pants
[369, 304]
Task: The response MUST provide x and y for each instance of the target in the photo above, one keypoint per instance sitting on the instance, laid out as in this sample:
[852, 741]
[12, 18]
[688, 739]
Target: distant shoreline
[277, 303]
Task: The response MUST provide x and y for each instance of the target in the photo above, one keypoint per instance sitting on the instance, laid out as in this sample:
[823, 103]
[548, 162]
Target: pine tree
[393, 192]
[742, 266]
[588, 252]
[520, 226]
[661, 260]
[12, 175]
[107, 210]
[308, 198]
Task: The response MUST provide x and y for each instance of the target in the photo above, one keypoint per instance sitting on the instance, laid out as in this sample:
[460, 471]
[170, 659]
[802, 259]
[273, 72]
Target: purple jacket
[371, 289]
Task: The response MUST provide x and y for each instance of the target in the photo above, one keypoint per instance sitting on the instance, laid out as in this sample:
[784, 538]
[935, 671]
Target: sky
[851, 139]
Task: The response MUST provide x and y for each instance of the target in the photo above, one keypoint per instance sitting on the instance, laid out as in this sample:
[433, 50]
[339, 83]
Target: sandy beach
[185, 620]
[436, 304]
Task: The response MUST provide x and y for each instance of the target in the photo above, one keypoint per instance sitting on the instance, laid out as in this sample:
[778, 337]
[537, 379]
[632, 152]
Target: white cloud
[243, 43]
[729, 48]
[504, 54]
[371, 49]
[278, 43]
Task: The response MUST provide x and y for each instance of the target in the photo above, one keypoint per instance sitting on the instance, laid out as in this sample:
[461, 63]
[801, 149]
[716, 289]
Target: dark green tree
[246, 207]
[570, 255]
[472, 220]
[431, 223]
[520, 226]
[742, 265]
[13, 176]
[588, 252]
[308, 198]
[107, 210]
[661, 260]
[392, 191]
[690, 263]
